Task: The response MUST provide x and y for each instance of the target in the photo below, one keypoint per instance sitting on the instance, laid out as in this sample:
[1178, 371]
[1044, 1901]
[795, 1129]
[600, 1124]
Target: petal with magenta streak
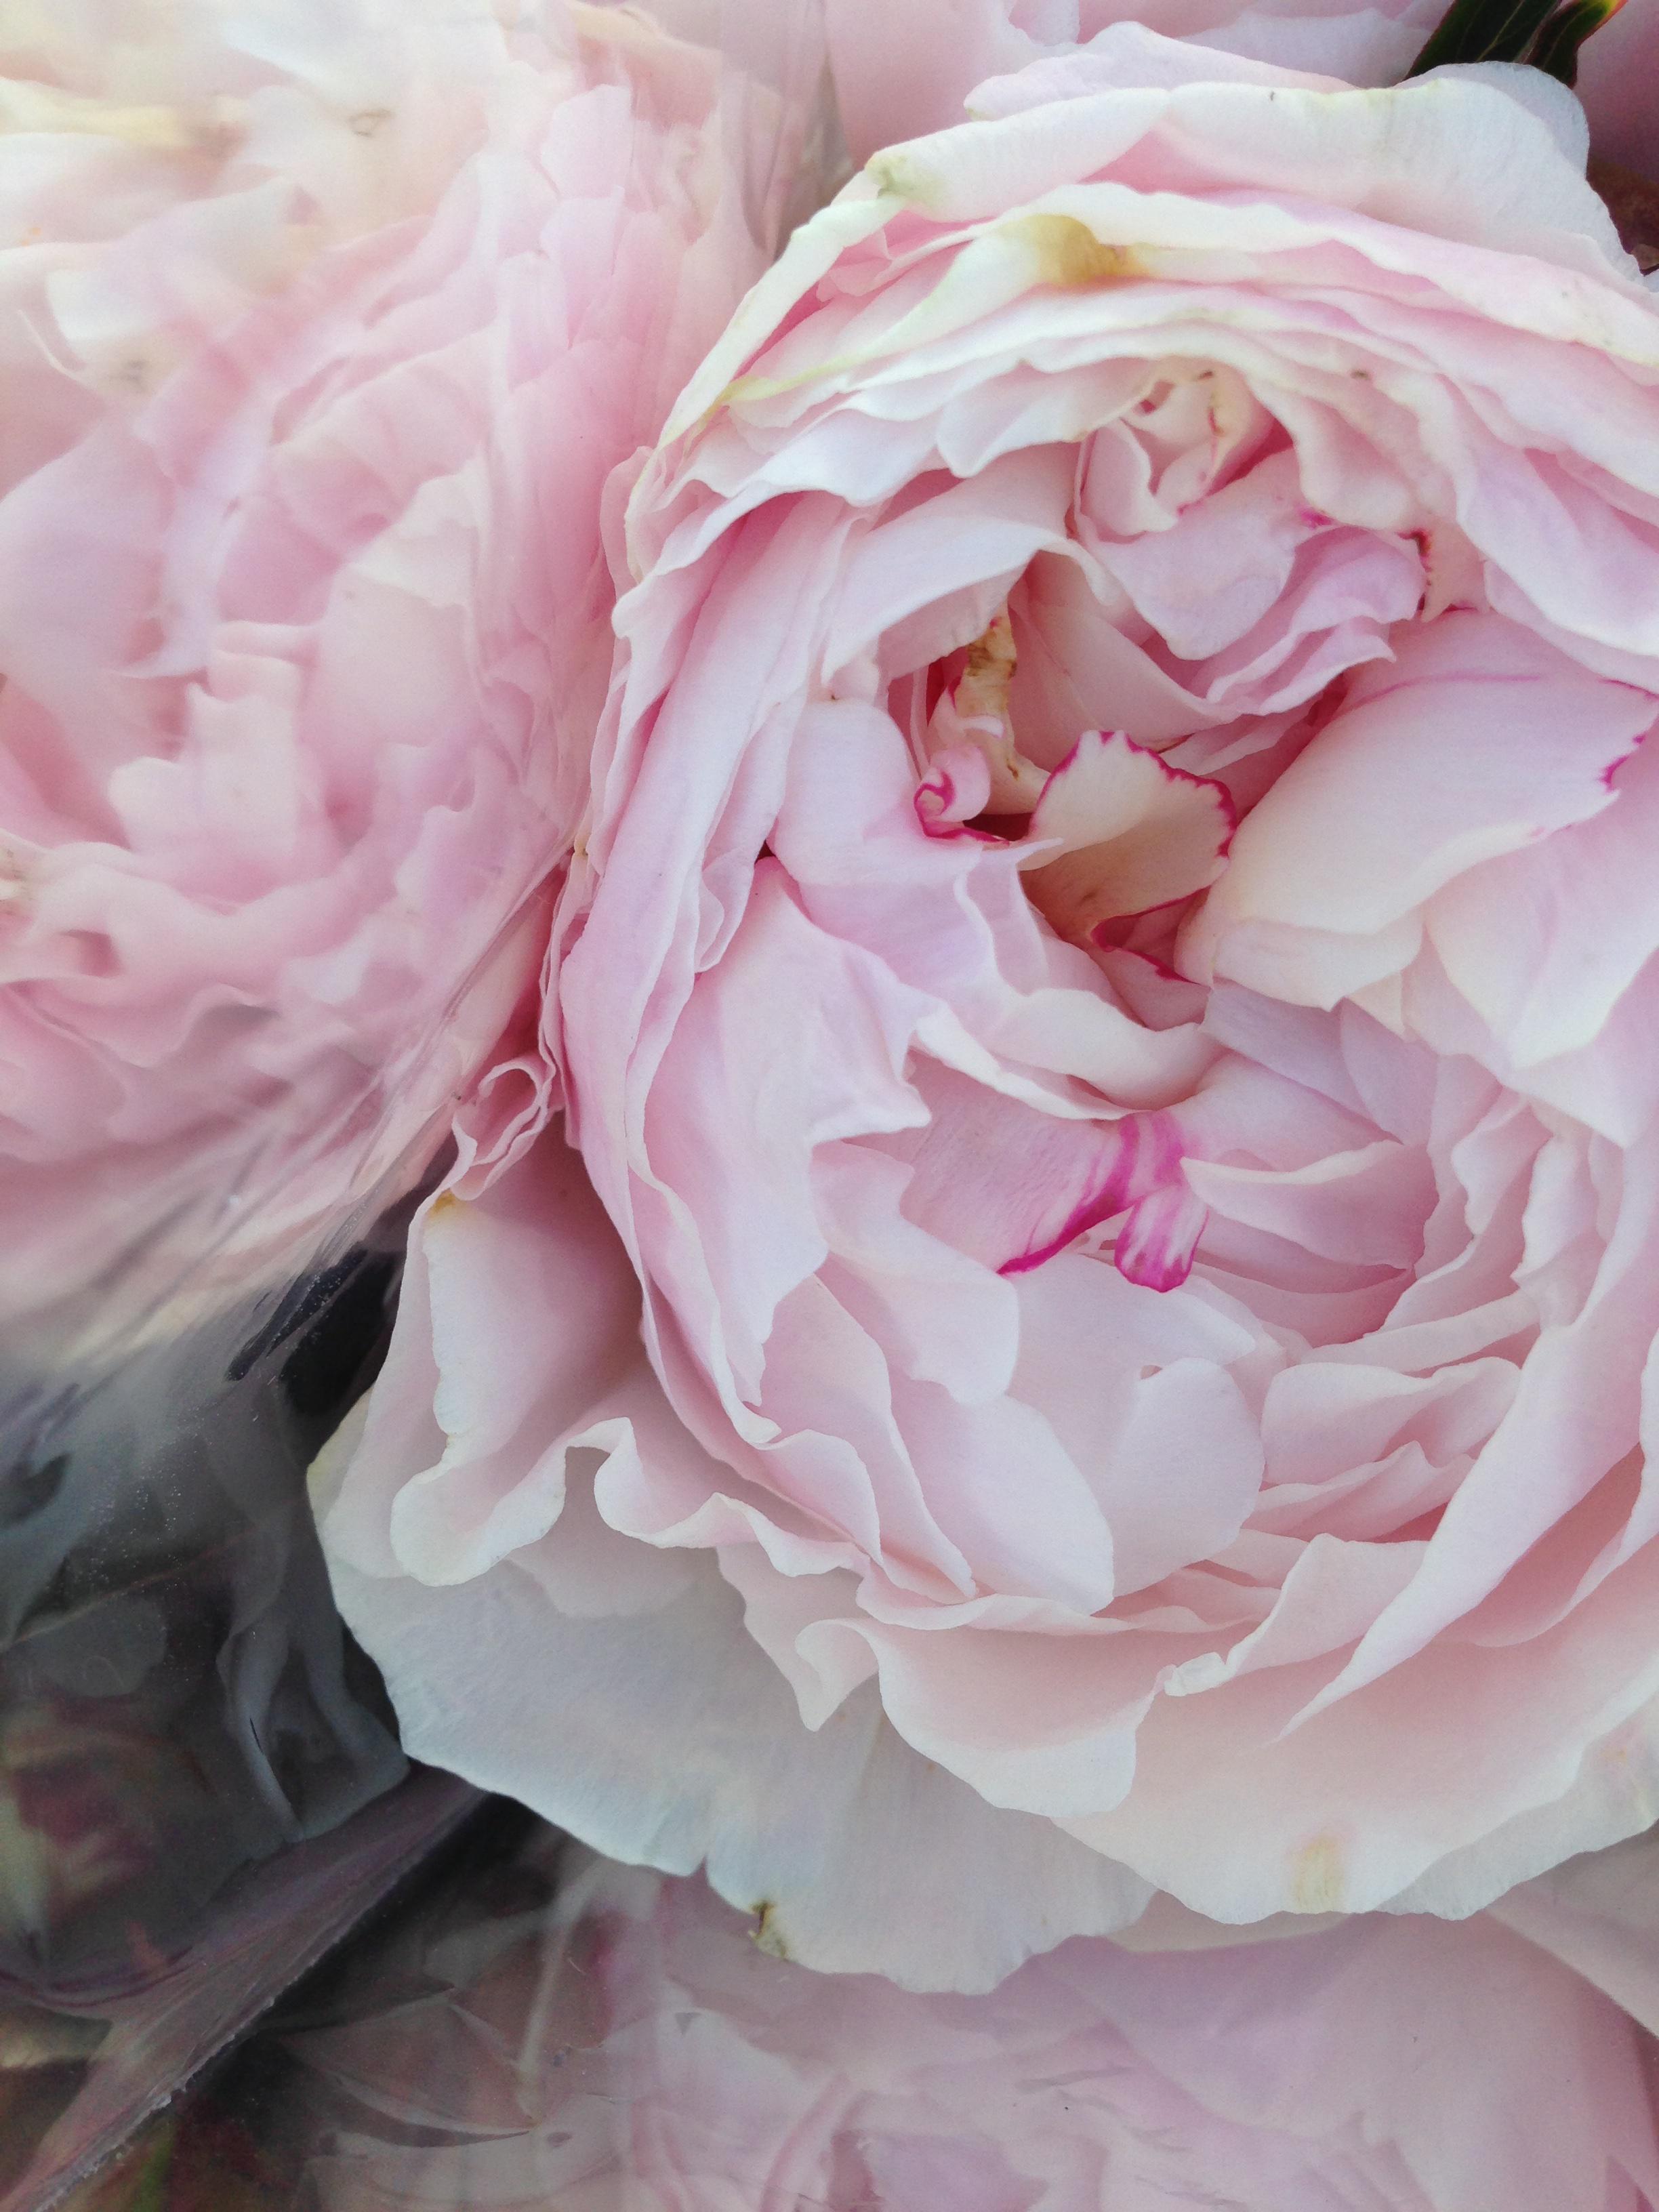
[1133, 834]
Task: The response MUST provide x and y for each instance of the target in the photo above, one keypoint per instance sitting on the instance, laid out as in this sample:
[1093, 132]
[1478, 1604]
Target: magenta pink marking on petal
[1125, 1172]
[1610, 773]
[1141, 1176]
[932, 803]
[1158, 967]
[1126, 846]
[956, 785]
[1212, 785]
[1103, 1197]
[1156, 1245]
[1068, 764]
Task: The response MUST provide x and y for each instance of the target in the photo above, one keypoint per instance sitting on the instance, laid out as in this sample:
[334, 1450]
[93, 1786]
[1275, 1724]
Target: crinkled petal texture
[902, 70]
[322, 329]
[1109, 1008]
[668, 2063]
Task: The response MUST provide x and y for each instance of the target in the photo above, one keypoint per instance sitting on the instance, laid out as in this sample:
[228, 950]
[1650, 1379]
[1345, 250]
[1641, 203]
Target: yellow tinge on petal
[1068, 254]
[1319, 1879]
[44, 110]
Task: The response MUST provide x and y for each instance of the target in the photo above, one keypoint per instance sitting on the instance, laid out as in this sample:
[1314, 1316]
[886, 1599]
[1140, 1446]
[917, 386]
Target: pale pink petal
[821, 1826]
[1324, 864]
[1126, 833]
[1576, 927]
[956, 787]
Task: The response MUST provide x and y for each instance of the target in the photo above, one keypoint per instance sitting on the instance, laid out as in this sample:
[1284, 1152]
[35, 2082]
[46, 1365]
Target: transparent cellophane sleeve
[276, 860]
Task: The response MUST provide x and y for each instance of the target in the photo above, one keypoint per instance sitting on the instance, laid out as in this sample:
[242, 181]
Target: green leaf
[1557, 49]
[1539, 31]
[1483, 31]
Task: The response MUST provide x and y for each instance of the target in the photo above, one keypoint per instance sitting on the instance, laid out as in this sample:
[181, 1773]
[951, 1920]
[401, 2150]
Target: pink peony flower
[904, 71]
[323, 328]
[1109, 1010]
[637, 2049]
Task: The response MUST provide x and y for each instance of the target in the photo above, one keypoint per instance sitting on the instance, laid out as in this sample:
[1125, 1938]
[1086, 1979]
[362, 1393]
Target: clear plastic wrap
[533, 2028]
[178, 1699]
[78, 2076]
[322, 332]
[194, 1757]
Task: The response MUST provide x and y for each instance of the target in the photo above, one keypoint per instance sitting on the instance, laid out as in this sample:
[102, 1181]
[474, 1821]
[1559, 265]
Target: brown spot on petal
[766, 1934]
[976, 713]
[896, 173]
[1633, 202]
[1068, 254]
[992, 660]
[1318, 1877]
